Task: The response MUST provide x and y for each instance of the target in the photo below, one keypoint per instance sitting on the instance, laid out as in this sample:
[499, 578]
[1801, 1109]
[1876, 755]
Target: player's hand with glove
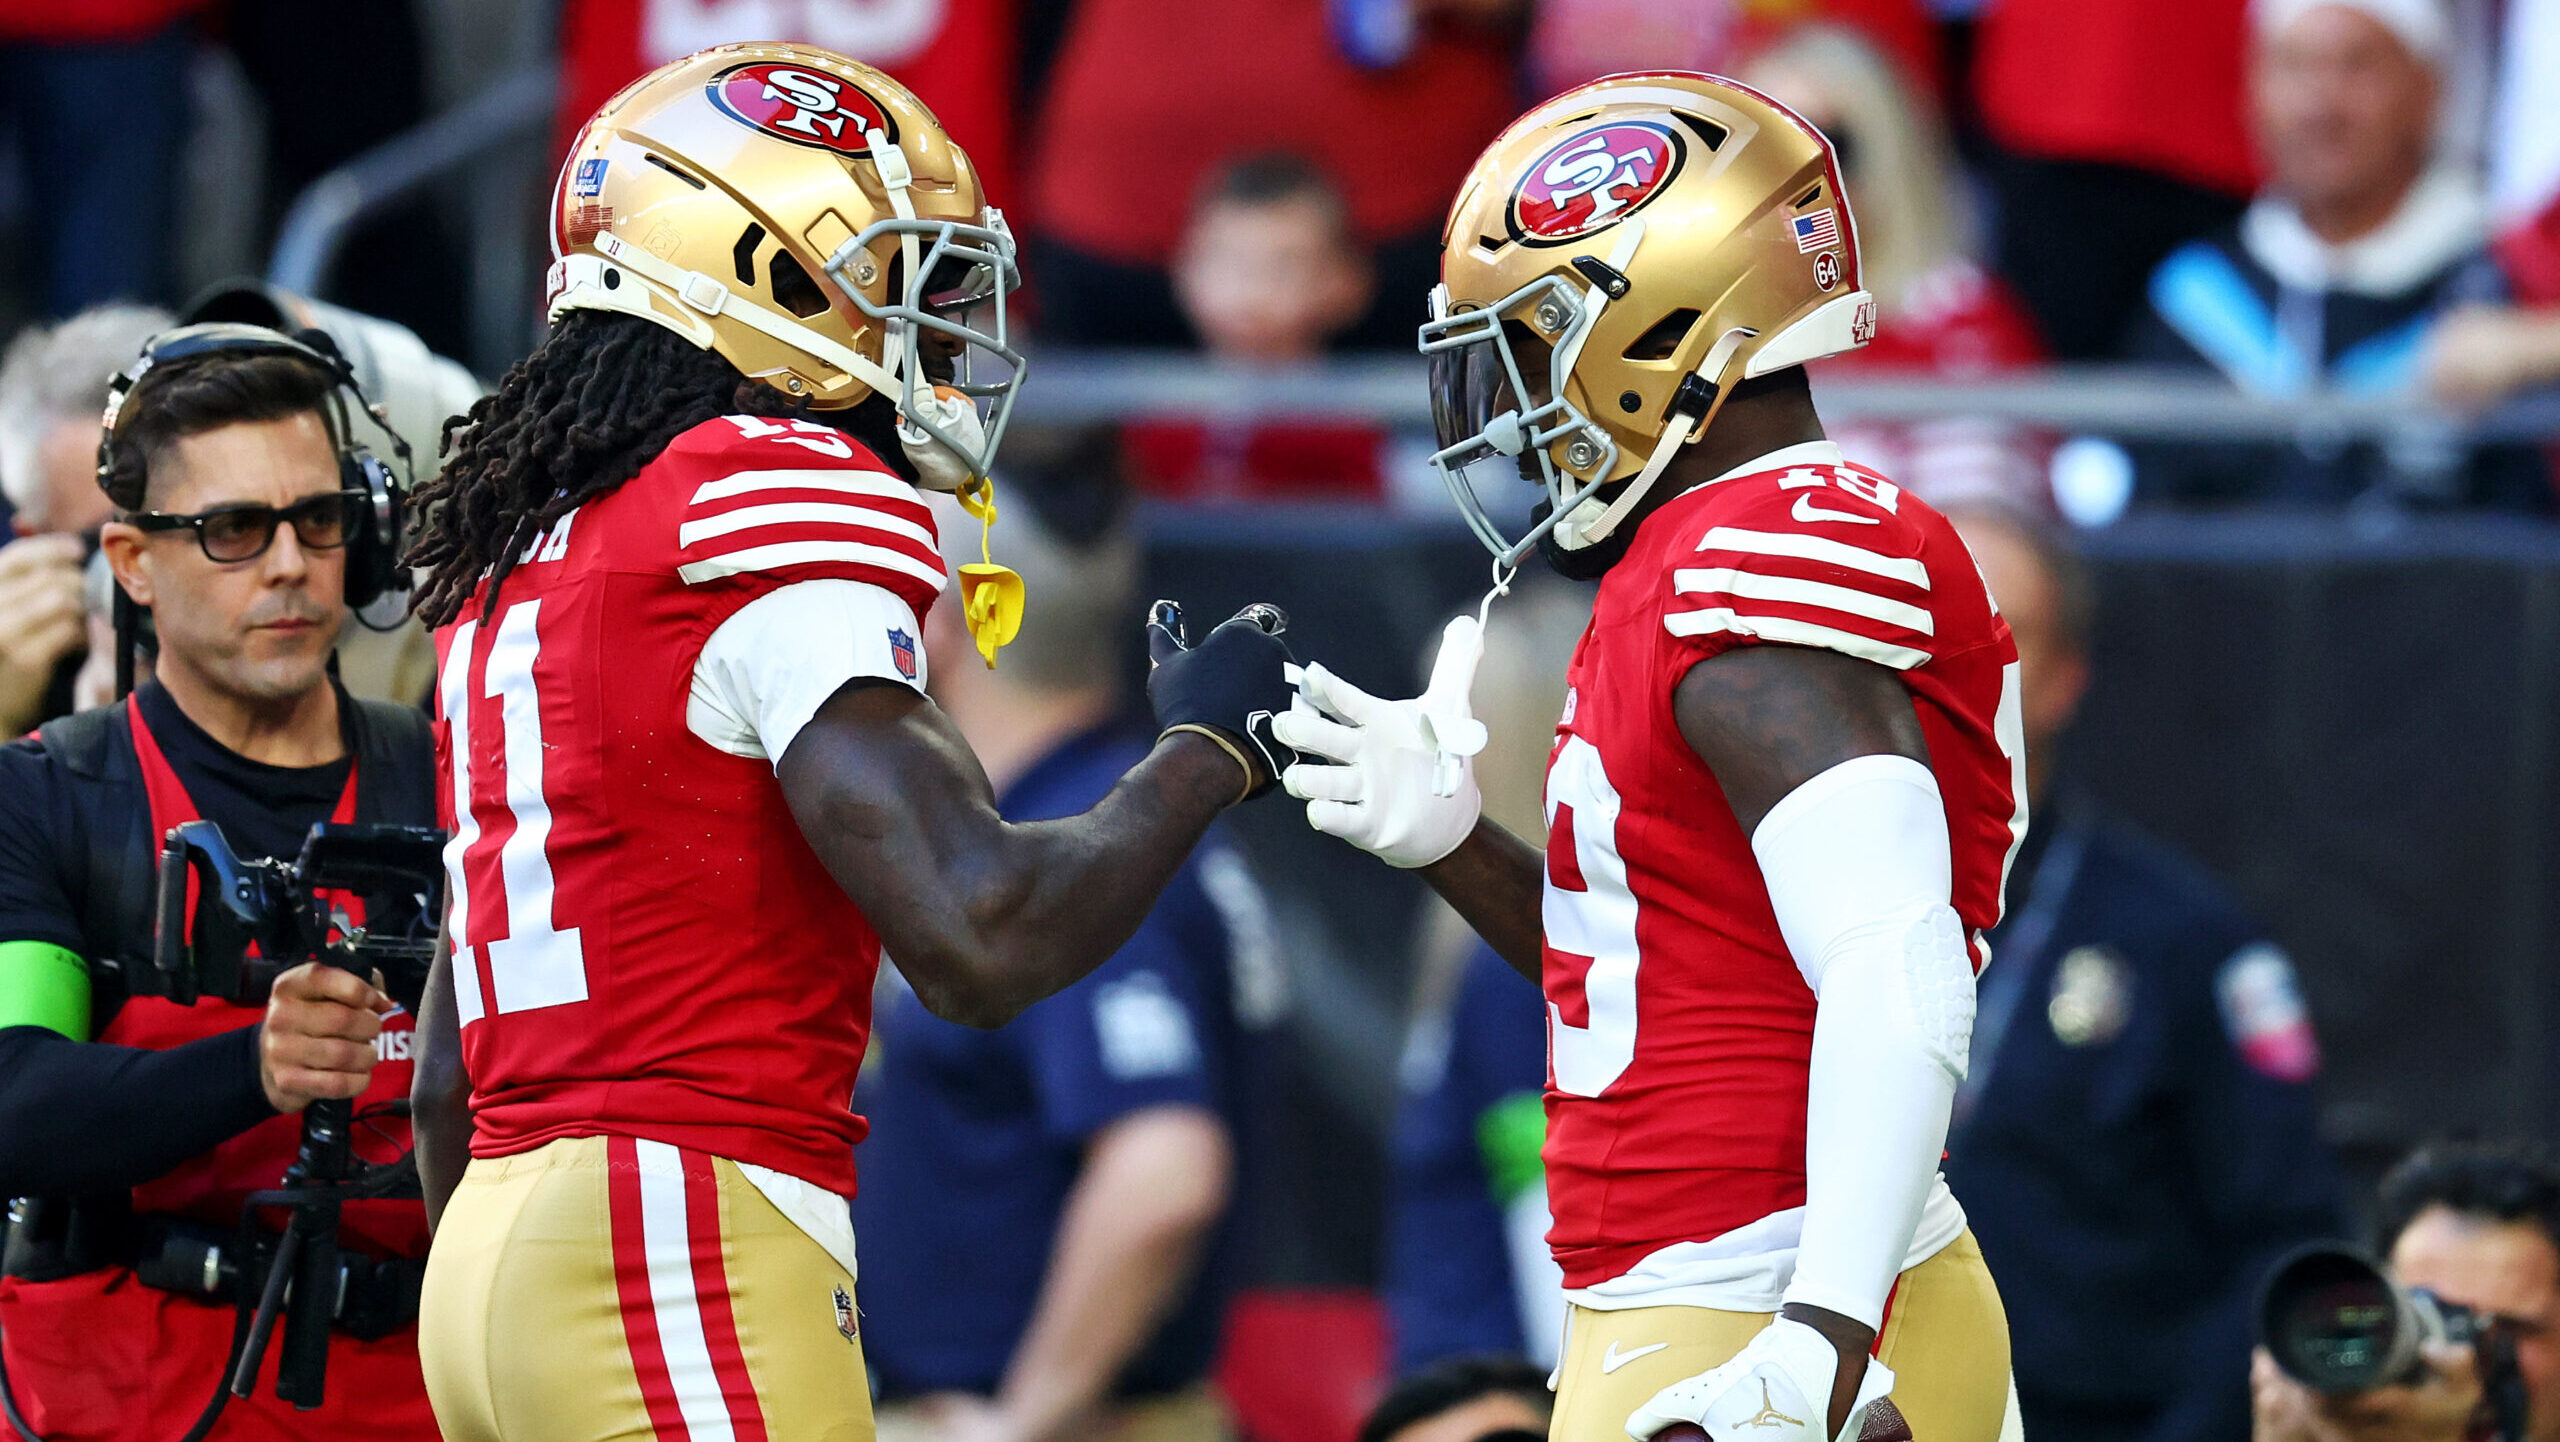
[1394, 778]
[1778, 1388]
[1227, 689]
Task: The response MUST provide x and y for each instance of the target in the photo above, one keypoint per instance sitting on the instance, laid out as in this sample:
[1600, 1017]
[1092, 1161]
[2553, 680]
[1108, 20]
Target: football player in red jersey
[1783, 794]
[677, 564]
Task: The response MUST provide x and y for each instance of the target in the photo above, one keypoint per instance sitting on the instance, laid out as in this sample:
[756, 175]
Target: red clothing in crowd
[2153, 84]
[1296, 461]
[55, 22]
[2530, 256]
[956, 55]
[1149, 96]
[1958, 322]
[1574, 41]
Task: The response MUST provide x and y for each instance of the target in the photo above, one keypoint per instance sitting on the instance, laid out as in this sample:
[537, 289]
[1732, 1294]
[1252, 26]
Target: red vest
[100, 1356]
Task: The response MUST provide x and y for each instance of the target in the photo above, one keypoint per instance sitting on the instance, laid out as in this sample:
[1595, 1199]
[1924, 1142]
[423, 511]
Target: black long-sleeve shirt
[83, 1118]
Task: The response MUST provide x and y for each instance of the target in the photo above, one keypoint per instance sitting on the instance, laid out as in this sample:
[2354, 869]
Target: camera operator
[133, 1126]
[2478, 1226]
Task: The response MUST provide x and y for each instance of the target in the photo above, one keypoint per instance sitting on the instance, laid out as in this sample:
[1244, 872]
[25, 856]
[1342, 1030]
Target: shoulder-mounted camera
[227, 927]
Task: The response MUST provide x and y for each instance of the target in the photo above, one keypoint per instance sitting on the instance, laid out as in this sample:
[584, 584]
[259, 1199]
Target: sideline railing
[515, 109]
[2134, 403]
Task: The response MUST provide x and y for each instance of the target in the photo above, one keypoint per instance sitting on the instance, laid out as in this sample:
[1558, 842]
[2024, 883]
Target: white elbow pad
[1859, 872]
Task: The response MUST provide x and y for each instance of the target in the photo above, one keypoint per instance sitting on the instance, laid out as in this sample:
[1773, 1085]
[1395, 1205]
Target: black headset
[373, 552]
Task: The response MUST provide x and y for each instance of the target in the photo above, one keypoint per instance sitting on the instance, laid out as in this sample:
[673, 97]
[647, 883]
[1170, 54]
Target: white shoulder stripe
[805, 553]
[851, 483]
[1906, 569]
[823, 513]
[1720, 620]
[1751, 585]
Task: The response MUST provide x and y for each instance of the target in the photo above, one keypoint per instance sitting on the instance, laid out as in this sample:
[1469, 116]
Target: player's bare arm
[1765, 720]
[982, 916]
[439, 1088]
[1494, 879]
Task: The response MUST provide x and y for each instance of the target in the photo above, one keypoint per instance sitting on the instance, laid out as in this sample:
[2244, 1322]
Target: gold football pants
[1944, 1336]
[602, 1289]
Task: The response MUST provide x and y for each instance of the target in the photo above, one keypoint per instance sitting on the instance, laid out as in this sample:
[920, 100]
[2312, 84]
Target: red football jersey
[644, 944]
[1680, 1030]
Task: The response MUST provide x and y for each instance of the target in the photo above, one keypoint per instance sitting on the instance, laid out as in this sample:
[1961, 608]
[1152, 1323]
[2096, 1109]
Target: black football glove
[1231, 684]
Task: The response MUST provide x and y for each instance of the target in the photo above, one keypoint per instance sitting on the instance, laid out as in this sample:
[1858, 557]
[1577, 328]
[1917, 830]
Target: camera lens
[2333, 1321]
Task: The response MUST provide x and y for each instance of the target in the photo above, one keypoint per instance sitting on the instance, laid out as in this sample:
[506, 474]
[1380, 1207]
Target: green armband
[43, 985]
[1511, 1133]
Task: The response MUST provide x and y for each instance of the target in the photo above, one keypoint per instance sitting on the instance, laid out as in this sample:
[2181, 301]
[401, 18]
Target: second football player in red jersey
[1782, 798]
[678, 564]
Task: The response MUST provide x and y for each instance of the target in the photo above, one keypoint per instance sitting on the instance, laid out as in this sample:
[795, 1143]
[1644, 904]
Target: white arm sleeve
[1860, 872]
[769, 667]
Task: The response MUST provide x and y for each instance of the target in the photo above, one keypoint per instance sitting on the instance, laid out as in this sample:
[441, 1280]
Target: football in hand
[1681, 1432]
[1884, 1423]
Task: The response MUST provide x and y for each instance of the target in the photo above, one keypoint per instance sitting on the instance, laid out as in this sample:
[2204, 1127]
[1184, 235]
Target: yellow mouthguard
[990, 595]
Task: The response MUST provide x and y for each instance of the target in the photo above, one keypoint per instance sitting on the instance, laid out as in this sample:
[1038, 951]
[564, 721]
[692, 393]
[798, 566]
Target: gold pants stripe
[1945, 1337]
[602, 1289]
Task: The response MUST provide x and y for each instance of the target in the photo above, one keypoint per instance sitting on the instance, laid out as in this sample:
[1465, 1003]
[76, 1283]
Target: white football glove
[1776, 1389]
[1402, 785]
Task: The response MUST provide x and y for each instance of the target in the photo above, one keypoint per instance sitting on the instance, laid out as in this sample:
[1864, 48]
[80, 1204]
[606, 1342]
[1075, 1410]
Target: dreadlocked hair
[599, 398]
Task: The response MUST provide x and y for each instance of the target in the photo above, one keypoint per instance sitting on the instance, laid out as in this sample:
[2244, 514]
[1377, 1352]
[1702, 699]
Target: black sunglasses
[237, 533]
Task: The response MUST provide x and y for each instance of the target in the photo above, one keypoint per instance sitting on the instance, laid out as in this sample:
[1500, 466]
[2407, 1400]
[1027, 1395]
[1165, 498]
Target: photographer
[52, 382]
[131, 1127]
[2478, 1226]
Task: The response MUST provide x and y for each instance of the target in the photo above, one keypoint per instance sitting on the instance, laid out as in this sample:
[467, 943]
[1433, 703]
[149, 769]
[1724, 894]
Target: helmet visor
[1470, 385]
[1495, 412]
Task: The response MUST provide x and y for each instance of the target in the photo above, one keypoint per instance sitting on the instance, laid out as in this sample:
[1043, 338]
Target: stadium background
[2351, 711]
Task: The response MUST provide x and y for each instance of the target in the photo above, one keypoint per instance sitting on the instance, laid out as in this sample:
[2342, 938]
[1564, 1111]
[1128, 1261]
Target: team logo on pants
[846, 1322]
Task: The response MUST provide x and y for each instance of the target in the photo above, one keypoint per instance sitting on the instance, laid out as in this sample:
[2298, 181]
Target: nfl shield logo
[590, 179]
[902, 651]
[846, 1321]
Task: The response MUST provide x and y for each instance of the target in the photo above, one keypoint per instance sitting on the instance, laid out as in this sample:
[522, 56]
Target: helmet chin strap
[1574, 533]
[890, 164]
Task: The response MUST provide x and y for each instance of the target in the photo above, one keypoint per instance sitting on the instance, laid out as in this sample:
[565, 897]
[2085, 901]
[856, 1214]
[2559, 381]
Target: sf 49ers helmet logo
[1594, 178]
[801, 105]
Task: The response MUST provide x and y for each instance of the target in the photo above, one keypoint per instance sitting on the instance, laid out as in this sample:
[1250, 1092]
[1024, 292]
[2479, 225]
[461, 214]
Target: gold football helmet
[1619, 258]
[806, 217]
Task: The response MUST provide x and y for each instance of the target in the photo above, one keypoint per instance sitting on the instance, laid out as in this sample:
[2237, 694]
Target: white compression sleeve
[1860, 873]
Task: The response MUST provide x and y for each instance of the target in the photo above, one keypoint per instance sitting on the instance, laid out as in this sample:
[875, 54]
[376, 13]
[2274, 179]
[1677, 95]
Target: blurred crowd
[2357, 199]
[2343, 199]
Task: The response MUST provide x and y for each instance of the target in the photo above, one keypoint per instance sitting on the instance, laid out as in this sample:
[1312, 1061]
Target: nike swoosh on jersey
[1806, 510]
[1613, 1359]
